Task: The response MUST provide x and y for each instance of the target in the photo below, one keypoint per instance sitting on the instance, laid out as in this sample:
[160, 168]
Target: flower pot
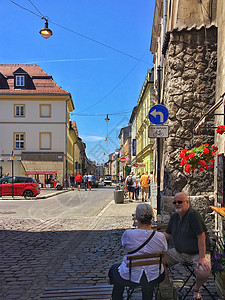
[220, 284]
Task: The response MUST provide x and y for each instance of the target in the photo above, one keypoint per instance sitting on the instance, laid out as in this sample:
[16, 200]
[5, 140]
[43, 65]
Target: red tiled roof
[42, 83]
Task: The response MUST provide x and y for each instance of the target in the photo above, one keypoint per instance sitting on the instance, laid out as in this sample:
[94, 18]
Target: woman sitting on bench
[133, 241]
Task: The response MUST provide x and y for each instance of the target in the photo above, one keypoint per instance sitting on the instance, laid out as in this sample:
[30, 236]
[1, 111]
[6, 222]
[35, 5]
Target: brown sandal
[197, 295]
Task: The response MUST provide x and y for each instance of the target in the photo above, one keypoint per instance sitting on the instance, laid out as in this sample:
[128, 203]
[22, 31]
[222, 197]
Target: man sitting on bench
[189, 233]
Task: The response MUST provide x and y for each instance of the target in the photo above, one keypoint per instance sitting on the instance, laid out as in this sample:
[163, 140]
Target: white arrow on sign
[155, 113]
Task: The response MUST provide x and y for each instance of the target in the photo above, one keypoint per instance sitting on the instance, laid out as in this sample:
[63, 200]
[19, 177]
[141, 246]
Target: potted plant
[218, 269]
[201, 158]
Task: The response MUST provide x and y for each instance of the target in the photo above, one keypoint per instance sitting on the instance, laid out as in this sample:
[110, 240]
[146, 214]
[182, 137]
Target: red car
[22, 186]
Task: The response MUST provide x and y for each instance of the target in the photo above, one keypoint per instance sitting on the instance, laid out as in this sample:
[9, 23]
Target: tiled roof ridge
[36, 73]
[34, 66]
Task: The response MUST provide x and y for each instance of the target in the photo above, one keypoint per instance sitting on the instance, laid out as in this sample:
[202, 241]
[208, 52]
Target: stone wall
[200, 203]
[189, 91]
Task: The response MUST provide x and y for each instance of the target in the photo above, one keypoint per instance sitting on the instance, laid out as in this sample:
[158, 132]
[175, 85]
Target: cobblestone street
[37, 255]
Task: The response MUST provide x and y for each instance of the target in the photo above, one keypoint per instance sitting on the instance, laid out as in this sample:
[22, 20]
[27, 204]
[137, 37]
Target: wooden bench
[78, 292]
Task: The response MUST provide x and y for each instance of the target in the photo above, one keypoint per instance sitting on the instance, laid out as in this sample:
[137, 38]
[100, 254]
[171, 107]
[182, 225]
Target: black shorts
[130, 188]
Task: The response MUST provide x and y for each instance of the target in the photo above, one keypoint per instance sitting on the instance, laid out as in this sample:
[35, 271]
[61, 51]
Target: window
[19, 110]
[45, 140]
[45, 110]
[19, 139]
[20, 80]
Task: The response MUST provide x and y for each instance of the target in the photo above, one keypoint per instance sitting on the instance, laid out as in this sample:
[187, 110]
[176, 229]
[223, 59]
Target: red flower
[202, 163]
[213, 153]
[191, 154]
[201, 169]
[214, 148]
[187, 168]
[206, 150]
[220, 129]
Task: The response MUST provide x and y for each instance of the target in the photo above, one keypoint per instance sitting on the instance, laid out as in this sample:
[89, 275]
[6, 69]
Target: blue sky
[101, 80]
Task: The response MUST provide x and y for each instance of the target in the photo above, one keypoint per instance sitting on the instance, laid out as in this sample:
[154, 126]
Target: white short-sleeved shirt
[131, 240]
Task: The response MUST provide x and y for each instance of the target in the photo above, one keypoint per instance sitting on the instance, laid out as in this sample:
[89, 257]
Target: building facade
[144, 145]
[184, 44]
[35, 122]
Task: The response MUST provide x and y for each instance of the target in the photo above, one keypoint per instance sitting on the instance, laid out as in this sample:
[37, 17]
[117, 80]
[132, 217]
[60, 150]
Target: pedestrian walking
[90, 180]
[145, 181]
[133, 241]
[130, 184]
[137, 188]
[150, 181]
[85, 178]
[191, 242]
[72, 182]
[79, 179]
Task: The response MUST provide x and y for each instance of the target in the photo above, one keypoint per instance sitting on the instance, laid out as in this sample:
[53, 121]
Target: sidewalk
[89, 263]
[65, 253]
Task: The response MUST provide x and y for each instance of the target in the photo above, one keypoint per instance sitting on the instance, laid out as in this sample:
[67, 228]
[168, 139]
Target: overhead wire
[77, 33]
[93, 40]
[115, 87]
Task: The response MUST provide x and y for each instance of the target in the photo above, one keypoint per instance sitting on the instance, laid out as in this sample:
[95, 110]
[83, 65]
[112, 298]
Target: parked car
[22, 186]
[95, 181]
[107, 180]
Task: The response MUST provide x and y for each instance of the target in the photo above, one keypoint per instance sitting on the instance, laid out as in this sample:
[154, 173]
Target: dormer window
[20, 80]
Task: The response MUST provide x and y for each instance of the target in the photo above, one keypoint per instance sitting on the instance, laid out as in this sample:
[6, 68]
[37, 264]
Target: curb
[34, 198]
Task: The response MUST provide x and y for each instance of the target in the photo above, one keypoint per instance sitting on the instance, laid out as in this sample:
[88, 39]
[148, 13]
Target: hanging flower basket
[201, 158]
[220, 129]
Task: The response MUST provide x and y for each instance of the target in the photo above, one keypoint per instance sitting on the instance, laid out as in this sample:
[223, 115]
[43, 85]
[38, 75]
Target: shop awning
[41, 172]
[209, 112]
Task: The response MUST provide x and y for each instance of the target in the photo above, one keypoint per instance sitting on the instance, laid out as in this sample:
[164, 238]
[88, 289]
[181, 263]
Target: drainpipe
[66, 181]
[158, 149]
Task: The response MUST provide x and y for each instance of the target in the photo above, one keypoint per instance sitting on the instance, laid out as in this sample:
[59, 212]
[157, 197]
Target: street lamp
[45, 32]
[107, 118]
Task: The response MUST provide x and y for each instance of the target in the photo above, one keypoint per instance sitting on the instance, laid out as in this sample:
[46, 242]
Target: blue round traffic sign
[158, 114]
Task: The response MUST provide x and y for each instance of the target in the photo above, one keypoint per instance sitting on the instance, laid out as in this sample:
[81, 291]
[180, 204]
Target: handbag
[167, 291]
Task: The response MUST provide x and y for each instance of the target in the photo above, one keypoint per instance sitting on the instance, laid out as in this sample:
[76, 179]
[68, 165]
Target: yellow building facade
[144, 145]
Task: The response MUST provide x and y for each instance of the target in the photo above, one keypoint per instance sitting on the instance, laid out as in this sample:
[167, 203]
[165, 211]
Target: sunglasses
[178, 202]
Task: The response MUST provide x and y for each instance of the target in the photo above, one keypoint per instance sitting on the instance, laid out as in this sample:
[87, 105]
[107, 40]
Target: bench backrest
[145, 260]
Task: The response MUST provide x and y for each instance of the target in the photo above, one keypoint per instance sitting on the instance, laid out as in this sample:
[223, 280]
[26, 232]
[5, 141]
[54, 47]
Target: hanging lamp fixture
[46, 32]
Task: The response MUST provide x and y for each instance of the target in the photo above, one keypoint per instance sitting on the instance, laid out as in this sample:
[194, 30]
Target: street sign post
[158, 114]
[158, 131]
[122, 160]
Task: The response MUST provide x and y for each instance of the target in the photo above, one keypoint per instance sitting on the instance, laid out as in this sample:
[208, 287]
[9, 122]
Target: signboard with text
[140, 165]
[134, 147]
[158, 131]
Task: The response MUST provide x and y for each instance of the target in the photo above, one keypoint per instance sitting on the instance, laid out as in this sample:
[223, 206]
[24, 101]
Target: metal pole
[12, 174]
[158, 149]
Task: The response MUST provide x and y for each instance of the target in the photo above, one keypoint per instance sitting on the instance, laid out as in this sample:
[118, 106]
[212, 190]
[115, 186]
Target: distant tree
[127, 170]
